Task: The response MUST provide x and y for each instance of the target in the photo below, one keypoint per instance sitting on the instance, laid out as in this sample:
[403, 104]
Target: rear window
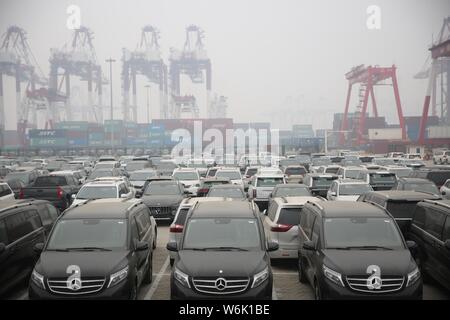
[50, 181]
[181, 218]
[295, 171]
[323, 181]
[269, 182]
[439, 178]
[401, 209]
[382, 177]
[289, 216]
[332, 170]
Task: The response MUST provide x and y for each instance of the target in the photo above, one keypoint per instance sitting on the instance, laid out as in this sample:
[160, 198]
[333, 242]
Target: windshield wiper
[58, 250]
[88, 249]
[225, 248]
[369, 247]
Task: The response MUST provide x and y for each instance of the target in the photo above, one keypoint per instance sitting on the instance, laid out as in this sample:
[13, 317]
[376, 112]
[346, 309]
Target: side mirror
[443, 193]
[38, 247]
[74, 196]
[272, 246]
[124, 196]
[172, 246]
[138, 194]
[309, 245]
[412, 245]
[333, 194]
[446, 244]
[142, 246]
[265, 212]
[2, 247]
[270, 195]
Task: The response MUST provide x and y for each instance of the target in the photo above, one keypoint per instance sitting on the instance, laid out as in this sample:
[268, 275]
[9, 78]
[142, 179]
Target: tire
[172, 261]
[148, 276]
[301, 271]
[317, 292]
[419, 261]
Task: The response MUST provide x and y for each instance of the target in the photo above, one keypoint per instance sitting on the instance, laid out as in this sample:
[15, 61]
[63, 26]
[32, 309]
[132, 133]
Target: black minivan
[354, 250]
[223, 254]
[101, 249]
[430, 229]
[21, 229]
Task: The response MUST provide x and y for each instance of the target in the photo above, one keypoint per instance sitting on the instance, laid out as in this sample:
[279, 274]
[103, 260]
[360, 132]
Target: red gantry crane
[440, 55]
[368, 77]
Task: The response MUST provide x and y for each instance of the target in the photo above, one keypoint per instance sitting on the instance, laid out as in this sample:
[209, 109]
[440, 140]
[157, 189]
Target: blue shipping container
[57, 133]
[78, 142]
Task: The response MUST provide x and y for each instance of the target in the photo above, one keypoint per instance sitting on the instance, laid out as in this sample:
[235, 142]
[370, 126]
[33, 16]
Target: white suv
[347, 190]
[189, 177]
[5, 192]
[233, 174]
[105, 189]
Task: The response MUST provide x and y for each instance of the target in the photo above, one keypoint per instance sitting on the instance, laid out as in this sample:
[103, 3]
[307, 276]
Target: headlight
[197, 185]
[117, 277]
[38, 279]
[333, 276]
[260, 277]
[181, 277]
[413, 277]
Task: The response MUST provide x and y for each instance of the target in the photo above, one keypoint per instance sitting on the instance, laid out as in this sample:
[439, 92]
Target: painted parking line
[156, 281]
[24, 296]
[274, 293]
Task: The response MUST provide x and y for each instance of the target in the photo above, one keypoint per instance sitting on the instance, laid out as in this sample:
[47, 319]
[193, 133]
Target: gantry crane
[145, 60]
[192, 61]
[368, 77]
[17, 60]
[79, 59]
[440, 64]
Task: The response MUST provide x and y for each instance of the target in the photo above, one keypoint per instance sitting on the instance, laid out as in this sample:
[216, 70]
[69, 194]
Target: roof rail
[315, 204]
[134, 204]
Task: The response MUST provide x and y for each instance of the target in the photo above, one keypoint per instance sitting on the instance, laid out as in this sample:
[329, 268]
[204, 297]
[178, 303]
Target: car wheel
[133, 292]
[301, 271]
[419, 261]
[172, 261]
[148, 277]
[317, 293]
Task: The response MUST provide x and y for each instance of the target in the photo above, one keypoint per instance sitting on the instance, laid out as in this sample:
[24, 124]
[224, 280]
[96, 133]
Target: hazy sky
[276, 60]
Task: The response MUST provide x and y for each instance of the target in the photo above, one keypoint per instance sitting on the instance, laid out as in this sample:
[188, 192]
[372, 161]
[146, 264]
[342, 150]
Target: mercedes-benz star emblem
[221, 284]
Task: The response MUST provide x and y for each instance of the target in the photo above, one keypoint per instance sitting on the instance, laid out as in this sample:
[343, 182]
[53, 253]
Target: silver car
[445, 190]
[281, 225]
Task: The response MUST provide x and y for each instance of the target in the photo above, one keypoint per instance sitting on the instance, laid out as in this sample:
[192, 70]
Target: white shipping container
[438, 132]
[385, 134]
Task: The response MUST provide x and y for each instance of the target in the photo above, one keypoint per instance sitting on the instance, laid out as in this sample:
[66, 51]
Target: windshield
[212, 172]
[422, 187]
[251, 172]
[289, 216]
[133, 165]
[100, 174]
[384, 162]
[401, 172]
[352, 174]
[141, 176]
[97, 192]
[222, 232]
[24, 177]
[50, 181]
[269, 182]
[322, 181]
[226, 192]
[162, 189]
[186, 175]
[84, 233]
[232, 175]
[292, 192]
[321, 162]
[382, 178]
[333, 170]
[401, 209]
[354, 189]
[295, 171]
[360, 232]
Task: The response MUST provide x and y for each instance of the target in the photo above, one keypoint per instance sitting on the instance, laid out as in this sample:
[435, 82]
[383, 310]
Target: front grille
[388, 284]
[88, 285]
[221, 285]
[160, 211]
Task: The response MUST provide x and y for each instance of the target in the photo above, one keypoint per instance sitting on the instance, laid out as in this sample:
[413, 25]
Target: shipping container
[48, 142]
[435, 132]
[385, 134]
[11, 138]
[73, 125]
[83, 142]
[56, 133]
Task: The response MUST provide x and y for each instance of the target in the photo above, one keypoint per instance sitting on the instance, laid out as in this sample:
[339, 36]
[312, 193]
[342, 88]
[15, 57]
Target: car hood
[91, 263]
[232, 263]
[161, 200]
[137, 183]
[355, 262]
[78, 201]
[188, 183]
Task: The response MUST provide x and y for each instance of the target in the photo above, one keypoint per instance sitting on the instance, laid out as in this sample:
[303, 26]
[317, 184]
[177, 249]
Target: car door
[269, 222]
[333, 189]
[24, 229]
[6, 192]
[445, 254]
[434, 227]
[307, 223]
[143, 226]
